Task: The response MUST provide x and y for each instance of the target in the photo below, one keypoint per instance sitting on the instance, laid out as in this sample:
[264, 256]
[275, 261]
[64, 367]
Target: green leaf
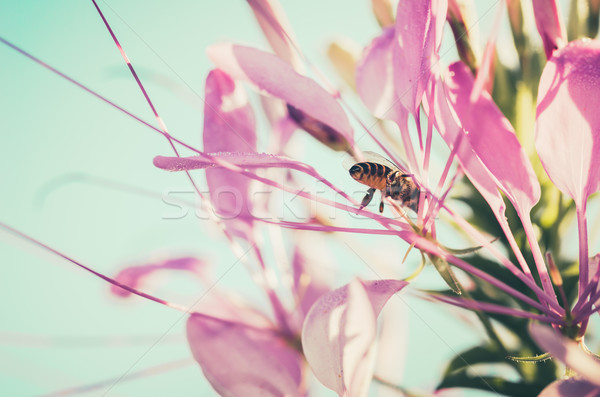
[464, 251]
[446, 272]
[492, 384]
[476, 355]
[533, 359]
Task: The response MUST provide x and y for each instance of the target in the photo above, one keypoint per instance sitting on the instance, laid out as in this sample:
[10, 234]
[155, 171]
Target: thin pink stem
[278, 308]
[144, 92]
[406, 141]
[499, 284]
[330, 229]
[493, 308]
[514, 246]
[425, 165]
[97, 274]
[430, 247]
[587, 309]
[538, 257]
[433, 206]
[428, 140]
[417, 116]
[130, 66]
[583, 248]
[83, 341]
[505, 261]
[382, 146]
[156, 370]
[590, 288]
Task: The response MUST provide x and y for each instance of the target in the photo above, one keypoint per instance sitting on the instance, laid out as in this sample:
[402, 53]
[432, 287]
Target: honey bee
[379, 173]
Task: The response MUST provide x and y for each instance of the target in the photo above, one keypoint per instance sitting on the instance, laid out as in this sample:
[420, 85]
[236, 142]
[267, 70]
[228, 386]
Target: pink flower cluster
[400, 77]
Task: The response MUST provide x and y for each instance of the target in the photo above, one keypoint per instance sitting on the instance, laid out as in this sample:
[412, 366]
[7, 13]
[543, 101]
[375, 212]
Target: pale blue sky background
[53, 132]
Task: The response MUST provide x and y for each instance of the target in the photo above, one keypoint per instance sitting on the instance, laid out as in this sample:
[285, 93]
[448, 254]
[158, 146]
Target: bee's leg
[384, 193]
[368, 197]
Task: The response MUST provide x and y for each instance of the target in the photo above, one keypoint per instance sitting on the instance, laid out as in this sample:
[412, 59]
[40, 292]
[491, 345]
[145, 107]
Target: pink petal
[228, 117]
[274, 76]
[277, 30]
[447, 123]
[135, 275]
[339, 332]
[374, 76]
[567, 136]
[493, 140]
[567, 351]
[381, 290]
[375, 85]
[417, 38]
[240, 360]
[228, 126]
[569, 388]
[549, 24]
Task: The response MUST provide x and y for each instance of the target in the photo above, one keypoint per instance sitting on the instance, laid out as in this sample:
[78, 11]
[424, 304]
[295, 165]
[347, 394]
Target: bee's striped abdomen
[371, 174]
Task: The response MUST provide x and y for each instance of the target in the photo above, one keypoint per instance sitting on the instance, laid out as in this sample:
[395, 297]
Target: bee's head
[356, 171]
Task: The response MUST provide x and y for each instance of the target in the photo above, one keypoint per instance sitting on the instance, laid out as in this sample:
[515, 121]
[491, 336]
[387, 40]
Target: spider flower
[400, 78]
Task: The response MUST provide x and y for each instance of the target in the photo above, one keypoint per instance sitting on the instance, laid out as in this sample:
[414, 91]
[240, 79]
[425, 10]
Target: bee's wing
[348, 162]
[379, 159]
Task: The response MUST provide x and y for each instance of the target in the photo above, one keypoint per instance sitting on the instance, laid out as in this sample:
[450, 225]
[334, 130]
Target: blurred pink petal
[227, 306]
[567, 351]
[240, 360]
[567, 136]
[282, 127]
[374, 76]
[228, 126]
[550, 25]
[493, 139]
[276, 77]
[417, 38]
[339, 332]
[277, 30]
[135, 275]
[309, 283]
[571, 387]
